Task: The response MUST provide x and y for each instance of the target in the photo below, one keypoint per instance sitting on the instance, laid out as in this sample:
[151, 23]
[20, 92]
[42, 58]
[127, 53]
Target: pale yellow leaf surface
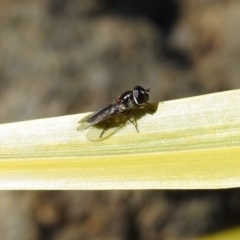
[191, 143]
[229, 234]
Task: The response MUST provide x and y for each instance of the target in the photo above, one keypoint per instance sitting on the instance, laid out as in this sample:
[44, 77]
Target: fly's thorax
[127, 100]
[126, 97]
[130, 104]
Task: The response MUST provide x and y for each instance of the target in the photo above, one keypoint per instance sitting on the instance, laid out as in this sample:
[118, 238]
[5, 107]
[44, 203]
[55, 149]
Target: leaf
[229, 234]
[191, 143]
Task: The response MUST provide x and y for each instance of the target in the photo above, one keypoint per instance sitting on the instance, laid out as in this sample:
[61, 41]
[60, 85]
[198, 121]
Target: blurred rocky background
[61, 57]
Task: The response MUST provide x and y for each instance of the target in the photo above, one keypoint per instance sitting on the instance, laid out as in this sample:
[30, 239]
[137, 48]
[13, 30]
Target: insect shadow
[111, 126]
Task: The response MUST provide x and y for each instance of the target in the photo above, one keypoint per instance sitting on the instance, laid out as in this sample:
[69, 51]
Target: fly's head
[140, 95]
[134, 98]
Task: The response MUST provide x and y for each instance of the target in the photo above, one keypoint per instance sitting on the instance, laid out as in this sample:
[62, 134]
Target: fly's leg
[104, 129]
[133, 122]
[149, 109]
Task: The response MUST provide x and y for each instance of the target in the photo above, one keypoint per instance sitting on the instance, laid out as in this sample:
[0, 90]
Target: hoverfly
[121, 106]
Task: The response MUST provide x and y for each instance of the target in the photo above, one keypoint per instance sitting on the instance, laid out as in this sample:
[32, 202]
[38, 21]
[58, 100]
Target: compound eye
[140, 95]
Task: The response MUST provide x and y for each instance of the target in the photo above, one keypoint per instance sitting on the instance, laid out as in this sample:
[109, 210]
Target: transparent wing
[104, 113]
[99, 116]
[103, 123]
